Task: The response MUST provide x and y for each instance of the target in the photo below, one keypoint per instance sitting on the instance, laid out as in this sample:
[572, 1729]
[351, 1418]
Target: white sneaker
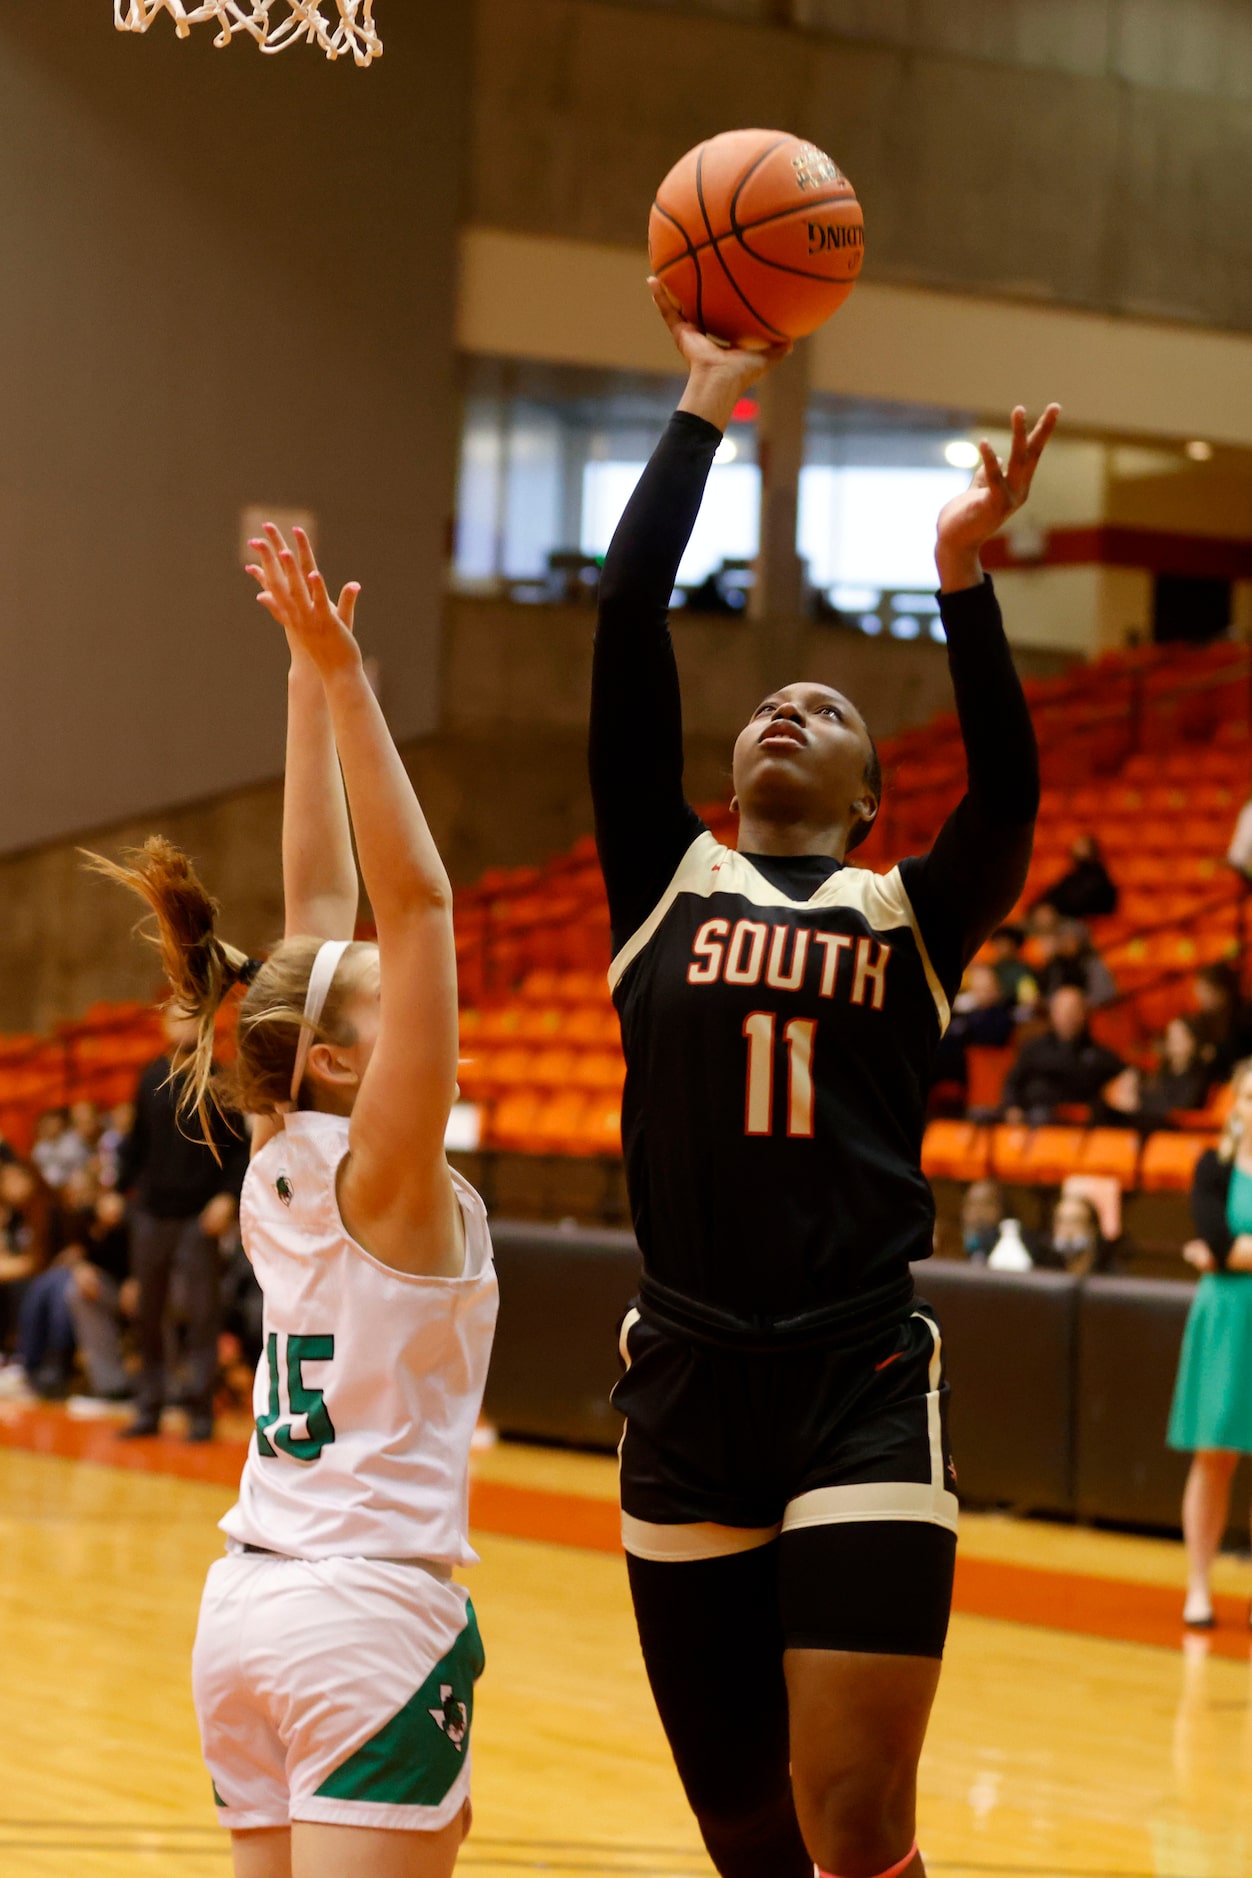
[13, 1384]
[1197, 1612]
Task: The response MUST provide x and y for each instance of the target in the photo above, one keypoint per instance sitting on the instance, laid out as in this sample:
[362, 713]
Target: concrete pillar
[777, 596]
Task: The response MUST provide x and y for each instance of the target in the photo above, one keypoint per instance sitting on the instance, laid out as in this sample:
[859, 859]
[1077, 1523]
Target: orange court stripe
[1081, 1604]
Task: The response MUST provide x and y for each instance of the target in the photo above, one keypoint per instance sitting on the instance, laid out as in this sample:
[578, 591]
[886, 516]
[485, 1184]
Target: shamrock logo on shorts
[451, 1717]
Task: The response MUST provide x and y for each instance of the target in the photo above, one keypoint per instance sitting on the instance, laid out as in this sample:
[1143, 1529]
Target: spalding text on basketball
[825, 236]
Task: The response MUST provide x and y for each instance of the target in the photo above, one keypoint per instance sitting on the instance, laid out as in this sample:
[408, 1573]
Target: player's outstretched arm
[974, 874]
[320, 891]
[396, 1191]
[643, 822]
[998, 490]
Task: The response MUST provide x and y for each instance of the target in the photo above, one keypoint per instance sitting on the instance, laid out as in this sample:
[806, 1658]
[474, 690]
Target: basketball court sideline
[1073, 1737]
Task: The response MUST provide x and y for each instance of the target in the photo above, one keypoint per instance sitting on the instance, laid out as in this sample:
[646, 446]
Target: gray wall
[226, 279]
[1093, 152]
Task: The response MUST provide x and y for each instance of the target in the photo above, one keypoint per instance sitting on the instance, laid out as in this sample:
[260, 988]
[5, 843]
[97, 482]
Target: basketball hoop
[303, 23]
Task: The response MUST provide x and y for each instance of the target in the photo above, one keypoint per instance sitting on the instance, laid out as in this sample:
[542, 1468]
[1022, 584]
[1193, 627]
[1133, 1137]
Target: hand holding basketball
[997, 491]
[718, 375]
[294, 593]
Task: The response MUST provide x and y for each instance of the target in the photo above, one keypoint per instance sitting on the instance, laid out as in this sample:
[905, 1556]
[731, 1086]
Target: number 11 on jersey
[799, 1034]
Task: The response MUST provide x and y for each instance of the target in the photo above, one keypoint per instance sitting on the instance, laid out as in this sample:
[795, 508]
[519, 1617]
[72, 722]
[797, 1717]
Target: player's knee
[763, 1841]
[467, 1820]
[857, 1819]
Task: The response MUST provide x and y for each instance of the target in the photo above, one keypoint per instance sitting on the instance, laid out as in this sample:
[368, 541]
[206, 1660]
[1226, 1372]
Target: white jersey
[371, 1379]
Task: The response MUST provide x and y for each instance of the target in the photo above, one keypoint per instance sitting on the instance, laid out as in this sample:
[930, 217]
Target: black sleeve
[133, 1157]
[235, 1148]
[973, 876]
[1210, 1188]
[644, 824]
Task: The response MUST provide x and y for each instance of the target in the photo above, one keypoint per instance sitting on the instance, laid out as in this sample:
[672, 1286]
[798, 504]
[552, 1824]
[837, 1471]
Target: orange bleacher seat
[1110, 1151]
[1212, 798]
[1157, 1006]
[554, 1069]
[595, 1026]
[955, 1151]
[1035, 1156]
[502, 1071]
[499, 1026]
[511, 1125]
[1168, 1161]
[1051, 1154]
[601, 1070]
[600, 1130]
[541, 987]
[986, 1068]
[540, 1023]
[558, 1123]
[1008, 1150]
[1141, 770]
[1145, 870]
[469, 1022]
[582, 987]
[1210, 834]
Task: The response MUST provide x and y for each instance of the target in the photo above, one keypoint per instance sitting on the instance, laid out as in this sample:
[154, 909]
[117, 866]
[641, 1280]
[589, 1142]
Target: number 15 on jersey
[276, 1433]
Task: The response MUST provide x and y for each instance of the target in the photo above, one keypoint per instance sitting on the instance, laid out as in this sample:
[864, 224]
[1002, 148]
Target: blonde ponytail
[202, 971]
[200, 968]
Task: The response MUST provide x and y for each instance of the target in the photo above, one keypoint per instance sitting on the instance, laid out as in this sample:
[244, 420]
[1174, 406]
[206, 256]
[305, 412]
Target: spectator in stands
[982, 1212]
[980, 1016]
[1075, 1242]
[46, 1338]
[1211, 1418]
[59, 1150]
[120, 1121]
[184, 1202]
[1017, 981]
[25, 1232]
[1087, 891]
[1182, 1079]
[102, 1297]
[1223, 1023]
[1065, 1065]
[1071, 959]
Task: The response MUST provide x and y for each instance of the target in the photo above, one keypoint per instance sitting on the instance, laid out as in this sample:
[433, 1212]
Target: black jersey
[780, 1015]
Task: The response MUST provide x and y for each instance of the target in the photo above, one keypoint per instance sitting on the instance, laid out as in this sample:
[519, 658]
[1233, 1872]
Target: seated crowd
[73, 1220]
[1037, 989]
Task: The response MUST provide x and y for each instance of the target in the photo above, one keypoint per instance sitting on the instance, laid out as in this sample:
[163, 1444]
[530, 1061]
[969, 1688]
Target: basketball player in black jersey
[789, 1512]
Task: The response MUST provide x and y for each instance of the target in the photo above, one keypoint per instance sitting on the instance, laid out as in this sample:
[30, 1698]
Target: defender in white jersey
[335, 1659]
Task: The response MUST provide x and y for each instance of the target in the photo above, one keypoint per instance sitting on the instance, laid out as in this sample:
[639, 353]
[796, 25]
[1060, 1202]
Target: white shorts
[337, 1691]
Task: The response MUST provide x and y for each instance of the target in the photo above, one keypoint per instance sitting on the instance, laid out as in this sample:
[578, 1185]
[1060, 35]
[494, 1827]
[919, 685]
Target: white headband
[321, 978]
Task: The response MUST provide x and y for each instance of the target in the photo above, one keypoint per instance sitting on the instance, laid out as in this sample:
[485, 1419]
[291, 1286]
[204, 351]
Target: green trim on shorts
[217, 1798]
[415, 1758]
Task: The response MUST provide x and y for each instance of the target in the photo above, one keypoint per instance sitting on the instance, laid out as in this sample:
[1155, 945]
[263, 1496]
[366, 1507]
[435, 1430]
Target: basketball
[757, 235]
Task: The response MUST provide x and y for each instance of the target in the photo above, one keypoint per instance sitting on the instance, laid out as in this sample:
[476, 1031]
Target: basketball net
[295, 22]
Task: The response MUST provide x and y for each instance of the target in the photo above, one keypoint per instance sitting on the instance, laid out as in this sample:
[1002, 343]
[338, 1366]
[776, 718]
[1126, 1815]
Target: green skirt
[1213, 1394]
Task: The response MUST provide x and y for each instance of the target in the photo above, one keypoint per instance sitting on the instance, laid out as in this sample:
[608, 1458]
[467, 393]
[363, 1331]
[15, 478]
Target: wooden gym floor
[1078, 1734]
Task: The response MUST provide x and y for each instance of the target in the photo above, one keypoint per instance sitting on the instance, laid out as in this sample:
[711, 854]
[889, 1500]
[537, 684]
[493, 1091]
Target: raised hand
[997, 491]
[719, 375]
[294, 593]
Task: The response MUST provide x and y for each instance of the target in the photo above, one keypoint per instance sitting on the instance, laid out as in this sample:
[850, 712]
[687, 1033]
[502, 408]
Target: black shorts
[843, 1453]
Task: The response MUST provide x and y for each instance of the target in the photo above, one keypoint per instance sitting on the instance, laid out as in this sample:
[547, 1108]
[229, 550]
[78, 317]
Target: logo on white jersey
[284, 1189]
[451, 1717]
